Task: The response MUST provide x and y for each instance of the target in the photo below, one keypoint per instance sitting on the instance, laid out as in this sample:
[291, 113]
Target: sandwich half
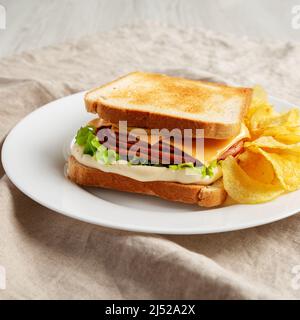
[177, 132]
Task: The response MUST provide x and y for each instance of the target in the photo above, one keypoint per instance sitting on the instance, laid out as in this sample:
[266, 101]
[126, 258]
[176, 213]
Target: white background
[36, 23]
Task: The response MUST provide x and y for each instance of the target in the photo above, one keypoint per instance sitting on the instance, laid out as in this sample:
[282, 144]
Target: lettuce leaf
[86, 137]
[203, 170]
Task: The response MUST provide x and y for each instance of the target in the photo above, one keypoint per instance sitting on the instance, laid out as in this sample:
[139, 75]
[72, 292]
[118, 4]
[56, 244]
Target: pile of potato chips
[270, 163]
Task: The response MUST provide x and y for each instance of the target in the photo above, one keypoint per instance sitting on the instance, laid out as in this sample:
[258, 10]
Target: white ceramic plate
[34, 156]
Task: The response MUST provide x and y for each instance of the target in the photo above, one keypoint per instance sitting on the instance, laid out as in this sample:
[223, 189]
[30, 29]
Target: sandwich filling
[101, 145]
[187, 175]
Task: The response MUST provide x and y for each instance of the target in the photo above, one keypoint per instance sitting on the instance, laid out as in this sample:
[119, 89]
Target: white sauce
[145, 173]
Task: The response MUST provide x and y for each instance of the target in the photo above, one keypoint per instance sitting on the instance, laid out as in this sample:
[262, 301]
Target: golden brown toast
[148, 100]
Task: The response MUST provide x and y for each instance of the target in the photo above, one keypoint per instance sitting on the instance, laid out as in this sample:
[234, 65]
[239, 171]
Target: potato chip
[289, 118]
[258, 116]
[270, 163]
[286, 167]
[284, 134]
[259, 108]
[259, 96]
[268, 143]
[261, 115]
[263, 172]
[243, 188]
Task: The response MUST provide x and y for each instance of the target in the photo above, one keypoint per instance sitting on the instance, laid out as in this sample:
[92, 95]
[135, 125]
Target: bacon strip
[161, 153]
[233, 150]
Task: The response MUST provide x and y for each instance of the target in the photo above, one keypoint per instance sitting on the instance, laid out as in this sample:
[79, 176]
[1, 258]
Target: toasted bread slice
[148, 100]
[205, 196]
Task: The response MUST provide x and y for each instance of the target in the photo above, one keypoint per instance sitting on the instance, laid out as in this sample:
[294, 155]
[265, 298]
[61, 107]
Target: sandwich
[159, 135]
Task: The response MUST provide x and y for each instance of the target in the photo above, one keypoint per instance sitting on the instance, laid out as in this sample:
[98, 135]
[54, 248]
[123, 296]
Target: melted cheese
[207, 151]
[214, 148]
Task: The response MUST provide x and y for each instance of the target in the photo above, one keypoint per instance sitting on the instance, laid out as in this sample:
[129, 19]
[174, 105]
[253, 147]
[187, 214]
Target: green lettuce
[203, 170]
[86, 138]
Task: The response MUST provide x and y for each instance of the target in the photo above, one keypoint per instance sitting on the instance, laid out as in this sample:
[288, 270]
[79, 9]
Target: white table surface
[36, 23]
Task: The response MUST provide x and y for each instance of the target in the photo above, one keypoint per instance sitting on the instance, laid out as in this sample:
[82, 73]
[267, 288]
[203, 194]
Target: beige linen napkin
[47, 255]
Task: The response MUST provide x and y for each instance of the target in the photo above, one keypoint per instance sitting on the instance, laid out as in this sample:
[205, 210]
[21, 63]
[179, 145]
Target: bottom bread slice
[205, 196]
